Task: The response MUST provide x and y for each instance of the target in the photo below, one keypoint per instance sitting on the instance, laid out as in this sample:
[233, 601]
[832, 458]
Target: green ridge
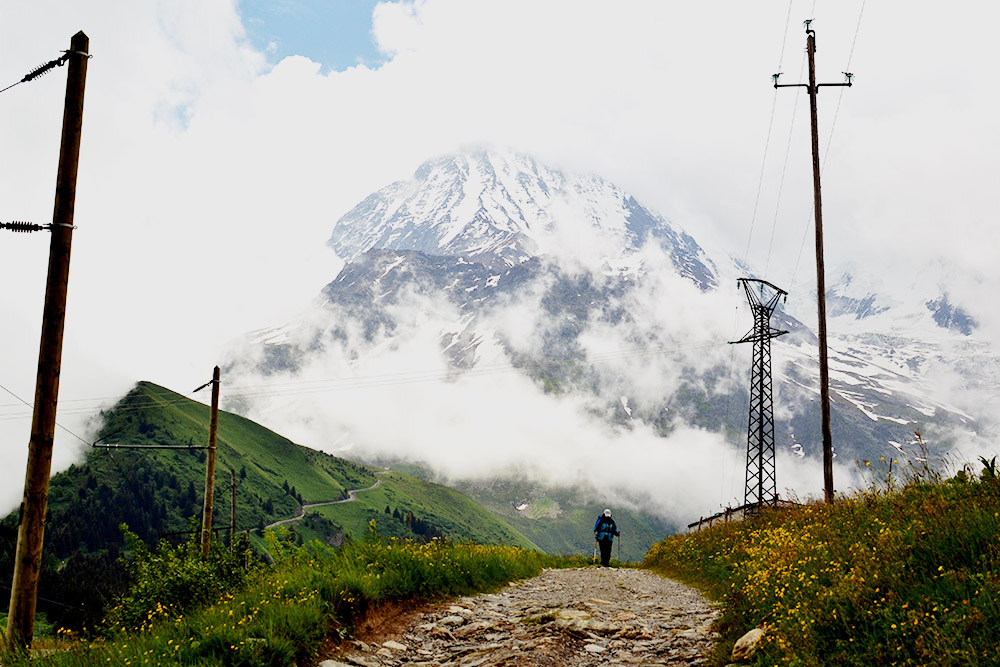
[159, 493]
[449, 511]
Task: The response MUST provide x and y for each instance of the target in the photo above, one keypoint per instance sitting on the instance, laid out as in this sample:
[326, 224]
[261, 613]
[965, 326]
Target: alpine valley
[540, 339]
[506, 350]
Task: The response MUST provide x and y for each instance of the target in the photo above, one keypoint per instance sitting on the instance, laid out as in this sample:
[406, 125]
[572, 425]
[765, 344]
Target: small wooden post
[232, 508]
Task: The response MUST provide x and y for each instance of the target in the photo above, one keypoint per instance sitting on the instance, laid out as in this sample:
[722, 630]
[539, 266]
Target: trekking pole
[595, 551]
[619, 546]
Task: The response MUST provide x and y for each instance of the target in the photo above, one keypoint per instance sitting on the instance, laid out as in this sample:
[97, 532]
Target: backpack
[605, 528]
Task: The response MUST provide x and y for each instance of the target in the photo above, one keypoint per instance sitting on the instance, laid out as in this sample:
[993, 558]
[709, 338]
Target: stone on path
[746, 644]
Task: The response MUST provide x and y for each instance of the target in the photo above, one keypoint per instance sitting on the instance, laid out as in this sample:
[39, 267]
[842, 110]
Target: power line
[405, 377]
[784, 166]
[3, 418]
[767, 141]
[296, 388]
[61, 604]
[813, 88]
[850, 56]
[729, 399]
[829, 142]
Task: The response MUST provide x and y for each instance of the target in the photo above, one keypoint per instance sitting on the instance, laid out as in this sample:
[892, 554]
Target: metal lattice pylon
[761, 483]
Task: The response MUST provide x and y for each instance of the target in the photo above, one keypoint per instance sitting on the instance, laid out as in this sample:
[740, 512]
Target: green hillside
[559, 520]
[159, 493]
[403, 505]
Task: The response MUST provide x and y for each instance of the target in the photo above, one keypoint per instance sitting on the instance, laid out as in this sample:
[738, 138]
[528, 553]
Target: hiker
[605, 532]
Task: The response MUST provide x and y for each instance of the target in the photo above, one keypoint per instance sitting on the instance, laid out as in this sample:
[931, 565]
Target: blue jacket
[605, 528]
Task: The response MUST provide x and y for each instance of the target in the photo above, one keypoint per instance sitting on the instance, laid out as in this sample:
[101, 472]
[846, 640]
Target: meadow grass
[894, 575]
[283, 613]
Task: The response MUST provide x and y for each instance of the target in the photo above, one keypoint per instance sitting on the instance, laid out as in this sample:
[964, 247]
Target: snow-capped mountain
[923, 306]
[502, 209]
[508, 266]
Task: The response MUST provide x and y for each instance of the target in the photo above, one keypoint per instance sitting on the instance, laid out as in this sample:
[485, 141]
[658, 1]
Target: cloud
[86, 387]
[392, 392]
[208, 173]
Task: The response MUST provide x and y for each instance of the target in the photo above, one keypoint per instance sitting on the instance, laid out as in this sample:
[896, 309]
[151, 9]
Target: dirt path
[562, 618]
[352, 495]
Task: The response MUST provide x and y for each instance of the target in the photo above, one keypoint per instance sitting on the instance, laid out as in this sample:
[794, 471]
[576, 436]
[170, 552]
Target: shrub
[907, 576]
[171, 580]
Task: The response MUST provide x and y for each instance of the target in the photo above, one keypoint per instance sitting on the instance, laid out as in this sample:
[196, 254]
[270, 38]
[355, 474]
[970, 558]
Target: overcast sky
[223, 139]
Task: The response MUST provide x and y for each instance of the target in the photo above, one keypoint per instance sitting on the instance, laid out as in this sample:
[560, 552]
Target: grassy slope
[155, 486]
[272, 458]
[451, 512]
[266, 463]
[572, 532]
[559, 520]
[907, 576]
[158, 492]
[281, 615]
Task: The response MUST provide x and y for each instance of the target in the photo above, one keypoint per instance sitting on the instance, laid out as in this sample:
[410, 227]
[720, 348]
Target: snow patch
[399, 260]
[628, 410]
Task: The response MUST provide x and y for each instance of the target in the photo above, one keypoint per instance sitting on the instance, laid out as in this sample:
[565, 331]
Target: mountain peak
[502, 208]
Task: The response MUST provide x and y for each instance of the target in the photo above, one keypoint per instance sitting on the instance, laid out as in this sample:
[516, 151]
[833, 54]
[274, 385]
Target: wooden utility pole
[31, 531]
[232, 508]
[213, 427]
[824, 369]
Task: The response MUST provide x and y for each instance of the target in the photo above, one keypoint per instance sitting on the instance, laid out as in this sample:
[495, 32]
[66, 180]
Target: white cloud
[395, 396]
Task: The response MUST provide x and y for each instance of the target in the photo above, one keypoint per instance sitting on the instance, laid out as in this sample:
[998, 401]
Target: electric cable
[847, 68]
[784, 168]
[729, 399]
[767, 141]
[829, 141]
[297, 388]
[386, 379]
[760, 180]
[39, 597]
[3, 418]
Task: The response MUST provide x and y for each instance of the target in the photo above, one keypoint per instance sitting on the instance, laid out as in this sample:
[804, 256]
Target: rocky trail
[562, 618]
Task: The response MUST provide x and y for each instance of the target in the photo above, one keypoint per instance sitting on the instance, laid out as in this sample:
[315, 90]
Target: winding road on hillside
[352, 495]
[562, 618]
